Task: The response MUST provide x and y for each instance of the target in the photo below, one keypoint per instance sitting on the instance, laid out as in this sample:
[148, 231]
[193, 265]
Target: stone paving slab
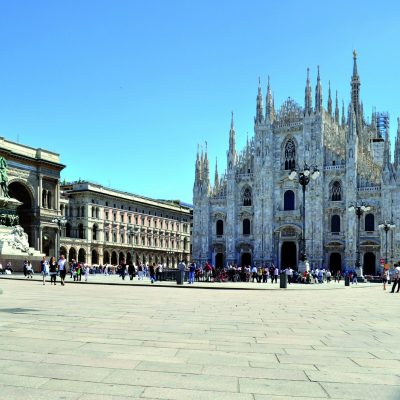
[115, 342]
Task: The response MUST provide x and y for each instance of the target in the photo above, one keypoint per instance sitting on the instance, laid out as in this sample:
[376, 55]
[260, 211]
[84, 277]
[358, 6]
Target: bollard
[283, 280]
[346, 281]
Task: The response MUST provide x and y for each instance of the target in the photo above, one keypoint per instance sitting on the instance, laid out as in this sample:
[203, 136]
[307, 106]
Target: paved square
[92, 342]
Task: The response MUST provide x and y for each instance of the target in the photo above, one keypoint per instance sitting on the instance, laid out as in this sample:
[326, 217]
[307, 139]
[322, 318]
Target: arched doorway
[20, 192]
[129, 258]
[121, 256]
[114, 260]
[369, 263]
[335, 262]
[246, 259]
[82, 255]
[72, 254]
[288, 255]
[106, 257]
[95, 257]
[219, 260]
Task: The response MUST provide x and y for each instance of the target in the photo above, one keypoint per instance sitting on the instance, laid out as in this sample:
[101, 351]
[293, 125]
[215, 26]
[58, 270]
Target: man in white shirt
[62, 267]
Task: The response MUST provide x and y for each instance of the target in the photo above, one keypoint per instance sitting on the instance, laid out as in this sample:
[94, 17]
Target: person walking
[44, 269]
[62, 268]
[87, 271]
[140, 271]
[385, 277]
[396, 279]
[192, 270]
[122, 266]
[53, 270]
[254, 273]
[276, 273]
[131, 271]
[152, 271]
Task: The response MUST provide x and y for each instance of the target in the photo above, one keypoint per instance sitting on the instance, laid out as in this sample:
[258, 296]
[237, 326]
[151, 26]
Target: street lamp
[61, 222]
[304, 179]
[386, 227]
[359, 208]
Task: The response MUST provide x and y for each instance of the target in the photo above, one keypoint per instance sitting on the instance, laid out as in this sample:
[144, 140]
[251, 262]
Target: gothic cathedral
[255, 214]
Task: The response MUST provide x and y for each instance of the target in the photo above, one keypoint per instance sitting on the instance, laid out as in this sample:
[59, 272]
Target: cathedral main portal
[289, 255]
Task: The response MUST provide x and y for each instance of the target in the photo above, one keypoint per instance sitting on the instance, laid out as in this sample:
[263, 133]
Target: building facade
[34, 180]
[253, 213]
[105, 225]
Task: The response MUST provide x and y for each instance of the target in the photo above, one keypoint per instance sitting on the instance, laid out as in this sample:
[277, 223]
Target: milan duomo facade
[253, 213]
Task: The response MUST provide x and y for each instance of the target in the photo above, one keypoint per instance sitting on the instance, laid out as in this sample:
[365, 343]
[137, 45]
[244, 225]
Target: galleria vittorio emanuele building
[253, 213]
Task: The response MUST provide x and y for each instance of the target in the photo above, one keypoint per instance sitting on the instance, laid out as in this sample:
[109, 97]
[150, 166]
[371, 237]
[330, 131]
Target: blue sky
[125, 90]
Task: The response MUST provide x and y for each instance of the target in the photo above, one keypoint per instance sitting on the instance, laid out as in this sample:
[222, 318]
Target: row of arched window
[246, 227]
[289, 203]
[369, 225]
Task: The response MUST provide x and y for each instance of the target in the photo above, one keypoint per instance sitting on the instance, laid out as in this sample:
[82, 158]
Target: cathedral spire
[269, 107]
[259, 109]
[355, 86]
[336, 109]
[206, 168]
[329, 99]
[308, 95]
[318, 94]
[386, 153]
[198, 167]
[343, 115]
[397, 147]
[216, 177]
[232, 145]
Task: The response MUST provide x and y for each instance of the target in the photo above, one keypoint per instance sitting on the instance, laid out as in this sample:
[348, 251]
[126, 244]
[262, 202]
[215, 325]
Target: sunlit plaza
[106, 342]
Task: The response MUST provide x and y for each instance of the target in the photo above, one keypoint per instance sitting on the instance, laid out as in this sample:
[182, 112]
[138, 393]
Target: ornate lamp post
[303, 177]
[386, 227]
[359, 208]
[61, 222]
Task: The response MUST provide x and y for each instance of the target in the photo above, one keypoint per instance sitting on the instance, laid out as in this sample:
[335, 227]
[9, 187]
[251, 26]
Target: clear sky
[125, 90]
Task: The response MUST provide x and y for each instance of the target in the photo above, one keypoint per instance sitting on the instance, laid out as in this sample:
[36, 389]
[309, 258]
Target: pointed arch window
[246, 227]
[220, 227]
[336, 192]
[335, 224]
[290, 155]
[370, 222]
[247, 197]
[288, 200]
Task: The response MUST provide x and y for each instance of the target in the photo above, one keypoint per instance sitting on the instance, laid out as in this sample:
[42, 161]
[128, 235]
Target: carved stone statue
[3, 178]
[17, 238]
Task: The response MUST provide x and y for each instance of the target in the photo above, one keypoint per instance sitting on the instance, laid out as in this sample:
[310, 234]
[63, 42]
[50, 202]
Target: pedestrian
[140, 271]
[276, 273]
[29, 269]
[208, 269]
[396, 279]
[53, 270]
[122, 266]
[44, 268]
[328, 276]
[265, 274]
[25, 269]
[182, 269]
[131, 271]
[62, 268]
[385, 277]
[355, 278]
[254, 273]
[192, 270]
[87, 271]
[152, 271]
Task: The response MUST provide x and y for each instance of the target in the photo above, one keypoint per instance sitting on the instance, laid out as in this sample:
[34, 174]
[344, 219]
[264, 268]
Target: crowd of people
[196, 272]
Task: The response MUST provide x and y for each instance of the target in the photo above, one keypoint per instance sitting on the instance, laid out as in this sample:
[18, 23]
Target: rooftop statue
[3, 178]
